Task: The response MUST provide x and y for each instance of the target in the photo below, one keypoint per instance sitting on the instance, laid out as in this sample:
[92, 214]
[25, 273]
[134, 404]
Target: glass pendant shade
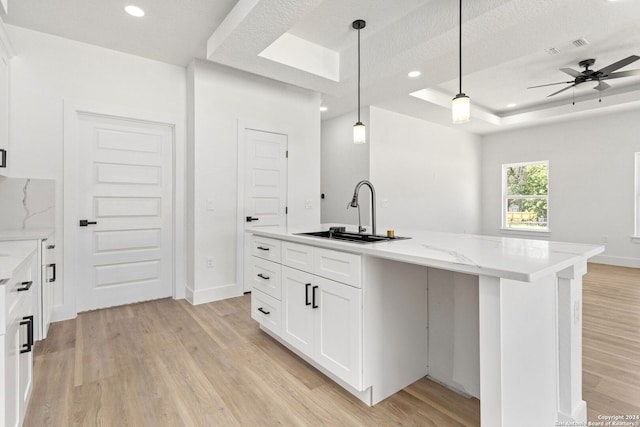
[359, 133]
[460, 108]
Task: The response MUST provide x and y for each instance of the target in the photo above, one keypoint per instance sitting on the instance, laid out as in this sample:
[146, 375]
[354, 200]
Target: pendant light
[461, 104]
[359, 131]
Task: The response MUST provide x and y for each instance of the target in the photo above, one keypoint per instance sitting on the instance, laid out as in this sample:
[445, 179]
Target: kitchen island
[374, 317]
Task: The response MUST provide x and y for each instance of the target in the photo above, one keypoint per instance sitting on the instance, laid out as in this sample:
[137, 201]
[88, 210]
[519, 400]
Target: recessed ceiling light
[323, 108]
[134, 11]
[511, 105]
[414, 74]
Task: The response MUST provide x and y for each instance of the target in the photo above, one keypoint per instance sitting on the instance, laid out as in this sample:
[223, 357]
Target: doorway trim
[241, 251]
[68, 308]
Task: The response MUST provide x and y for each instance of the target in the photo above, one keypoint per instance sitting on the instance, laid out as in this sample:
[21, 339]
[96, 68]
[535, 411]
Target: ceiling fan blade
[571, 72]
[550, 84]
[623, 74]
[616, 65]
[602, 86]
[561, 90]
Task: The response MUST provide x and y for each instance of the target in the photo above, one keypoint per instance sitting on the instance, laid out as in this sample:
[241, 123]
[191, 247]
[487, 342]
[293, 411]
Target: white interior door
[265, 184]
[125, 187]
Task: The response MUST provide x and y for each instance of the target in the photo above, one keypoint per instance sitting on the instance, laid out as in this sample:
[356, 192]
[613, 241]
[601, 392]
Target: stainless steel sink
[352, 237]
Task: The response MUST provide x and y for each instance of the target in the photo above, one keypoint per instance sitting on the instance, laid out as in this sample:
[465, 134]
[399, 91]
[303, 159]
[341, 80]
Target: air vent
[552, 51]
[580, 42]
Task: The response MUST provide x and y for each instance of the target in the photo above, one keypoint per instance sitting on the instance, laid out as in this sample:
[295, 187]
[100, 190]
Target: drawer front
[266, 310]
[339, 266]
[298, 256]
[20, 280]
[266, 277]
[264, 247]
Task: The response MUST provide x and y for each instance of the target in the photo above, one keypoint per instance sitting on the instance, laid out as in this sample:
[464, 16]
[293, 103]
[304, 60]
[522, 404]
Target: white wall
[429, 175]
[48, 70]
[591, 180]
[221, 99]
[344, 164]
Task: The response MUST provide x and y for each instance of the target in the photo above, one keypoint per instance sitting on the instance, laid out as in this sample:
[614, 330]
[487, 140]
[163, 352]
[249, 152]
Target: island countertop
[507, 257]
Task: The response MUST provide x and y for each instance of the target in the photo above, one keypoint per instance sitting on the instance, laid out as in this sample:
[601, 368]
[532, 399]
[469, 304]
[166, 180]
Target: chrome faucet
[354, 204]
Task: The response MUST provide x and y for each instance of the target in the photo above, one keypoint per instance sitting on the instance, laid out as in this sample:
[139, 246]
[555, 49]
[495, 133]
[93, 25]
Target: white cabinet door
[12, 374]
[4, 111]
[338, 330]
[297, 316]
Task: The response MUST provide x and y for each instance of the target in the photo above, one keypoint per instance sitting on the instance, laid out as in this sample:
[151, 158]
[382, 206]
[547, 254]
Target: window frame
[505, 197]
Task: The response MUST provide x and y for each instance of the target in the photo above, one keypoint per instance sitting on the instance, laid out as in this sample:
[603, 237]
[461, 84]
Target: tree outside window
[526, 196]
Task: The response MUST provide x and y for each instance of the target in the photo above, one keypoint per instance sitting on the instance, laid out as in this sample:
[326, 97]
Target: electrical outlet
[209, 262]
[384, 203]
[210, 206]
[308, 204]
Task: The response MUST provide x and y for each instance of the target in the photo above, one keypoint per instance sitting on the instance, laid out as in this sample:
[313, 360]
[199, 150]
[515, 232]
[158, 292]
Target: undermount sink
[352, 237]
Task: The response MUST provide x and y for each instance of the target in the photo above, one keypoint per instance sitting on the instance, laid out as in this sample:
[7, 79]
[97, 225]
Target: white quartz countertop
[512, 258]
[26, 234]
[12, 258]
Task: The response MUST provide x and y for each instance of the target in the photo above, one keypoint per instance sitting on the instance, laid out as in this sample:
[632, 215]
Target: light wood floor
[167, 363]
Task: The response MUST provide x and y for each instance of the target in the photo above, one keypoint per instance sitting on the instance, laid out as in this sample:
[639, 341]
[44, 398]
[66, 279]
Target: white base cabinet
[311, 299]
[16, 344]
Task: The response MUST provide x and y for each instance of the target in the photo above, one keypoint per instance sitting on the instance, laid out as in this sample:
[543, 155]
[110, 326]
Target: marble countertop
[512, 258]
[26, 234]
[12, 258]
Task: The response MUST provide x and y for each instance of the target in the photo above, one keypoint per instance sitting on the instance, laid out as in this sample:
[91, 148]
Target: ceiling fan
[588, 75]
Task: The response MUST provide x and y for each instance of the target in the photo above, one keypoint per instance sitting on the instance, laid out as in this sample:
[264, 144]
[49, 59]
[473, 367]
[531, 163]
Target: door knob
[85, 222]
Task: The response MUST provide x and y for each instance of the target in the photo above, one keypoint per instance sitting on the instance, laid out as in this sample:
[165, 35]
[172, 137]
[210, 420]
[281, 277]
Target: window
[525, 196]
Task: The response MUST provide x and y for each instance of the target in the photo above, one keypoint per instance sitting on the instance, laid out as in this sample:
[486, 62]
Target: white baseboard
[203, 296]
[616, 260]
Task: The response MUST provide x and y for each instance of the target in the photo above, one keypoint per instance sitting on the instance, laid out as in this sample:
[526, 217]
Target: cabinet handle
[313, 297]
[53, 278]
[263, 248]
[261, 310]
[27, 286]
[263, 276]
[28, 320]
[3, 158]
[306, 294]
[51, 246]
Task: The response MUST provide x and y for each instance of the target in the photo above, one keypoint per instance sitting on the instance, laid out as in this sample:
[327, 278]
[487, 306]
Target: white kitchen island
[522, 334]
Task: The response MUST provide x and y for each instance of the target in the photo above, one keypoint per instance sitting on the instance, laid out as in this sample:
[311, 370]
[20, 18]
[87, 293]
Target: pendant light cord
[460, 49]
[359, 75]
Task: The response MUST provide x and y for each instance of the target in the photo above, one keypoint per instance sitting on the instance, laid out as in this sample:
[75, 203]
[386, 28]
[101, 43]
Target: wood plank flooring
[167, 363]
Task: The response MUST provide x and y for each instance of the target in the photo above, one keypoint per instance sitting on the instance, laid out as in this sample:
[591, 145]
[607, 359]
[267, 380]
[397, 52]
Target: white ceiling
[504, 48]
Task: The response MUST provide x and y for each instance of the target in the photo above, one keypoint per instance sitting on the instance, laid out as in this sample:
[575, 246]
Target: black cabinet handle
[262, 276]
[306, 294]
[249, 219]
[85, 222]
[51, 246]
[53, 278]
[27, 286]
[263, 248]
[261, 310]
[28, 320]
[3, 158]
[313, 297]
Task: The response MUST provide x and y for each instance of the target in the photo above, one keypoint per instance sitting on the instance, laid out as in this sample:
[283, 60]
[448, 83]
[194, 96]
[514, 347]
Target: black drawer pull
[263, 311]
[27, 286]
[262, 276]
[306, 294]
[28, 320]
[51, 246]
[313, 297]
[263, 248]
[53, 278]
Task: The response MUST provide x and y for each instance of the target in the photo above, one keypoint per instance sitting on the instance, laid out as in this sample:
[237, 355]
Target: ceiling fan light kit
[588, 75]
[461, 103]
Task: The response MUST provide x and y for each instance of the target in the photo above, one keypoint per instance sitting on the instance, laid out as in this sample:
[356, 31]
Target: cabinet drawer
[339, 266]
[298, 256]
[264, 247]
[266, 277]
[266, 310]
[14, 295]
